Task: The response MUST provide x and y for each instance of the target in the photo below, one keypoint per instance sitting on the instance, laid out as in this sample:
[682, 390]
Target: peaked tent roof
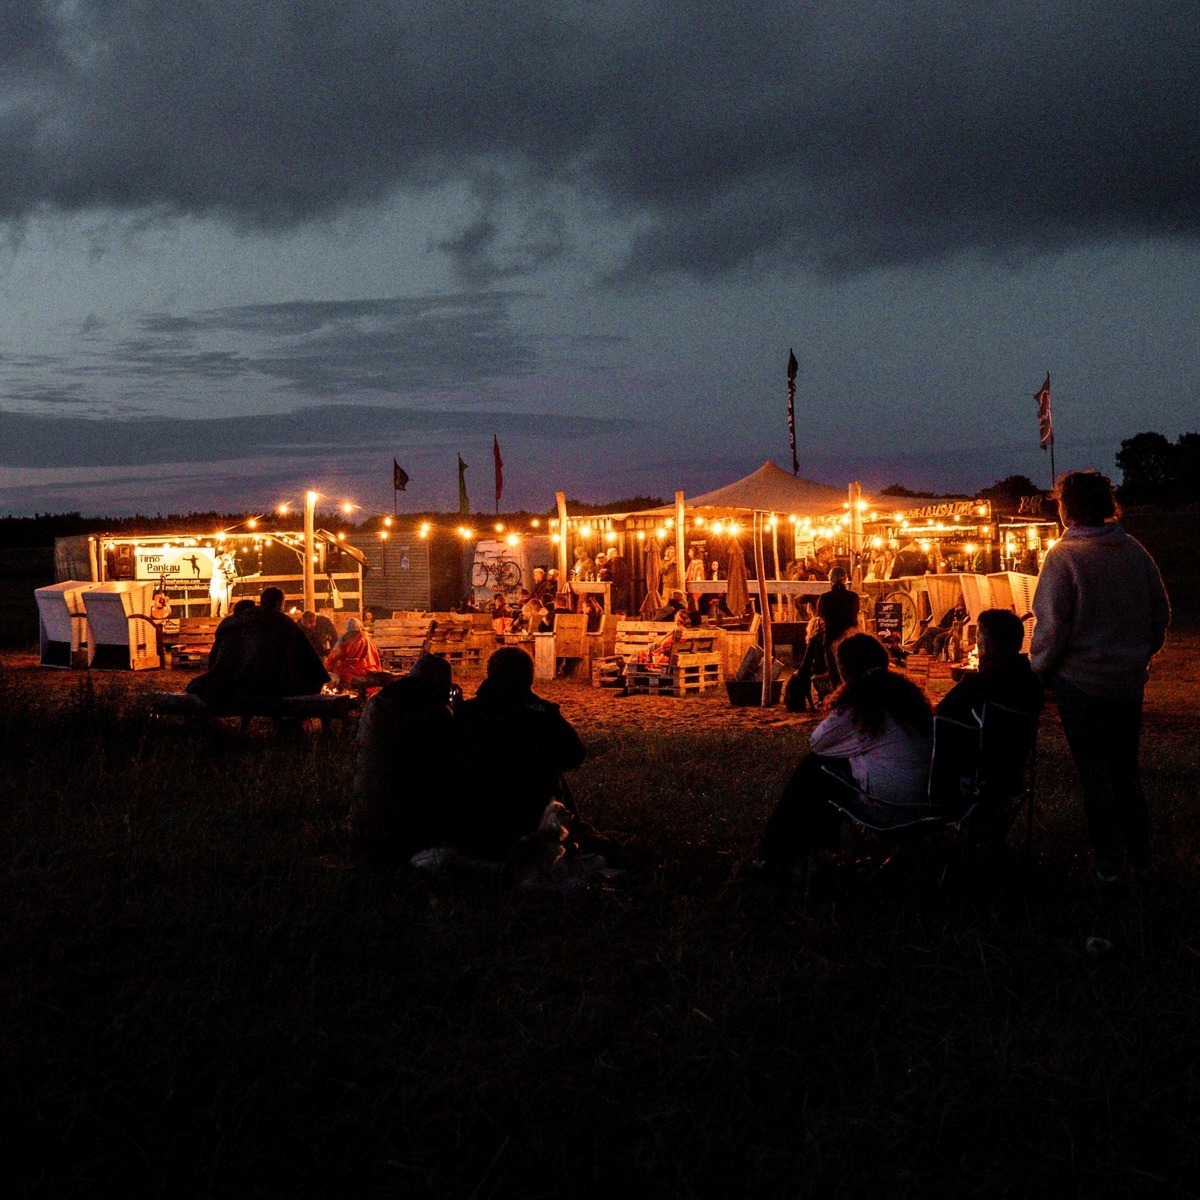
[769, 489]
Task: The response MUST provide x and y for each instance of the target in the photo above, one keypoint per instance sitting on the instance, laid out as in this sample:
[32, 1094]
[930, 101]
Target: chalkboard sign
[889, 621]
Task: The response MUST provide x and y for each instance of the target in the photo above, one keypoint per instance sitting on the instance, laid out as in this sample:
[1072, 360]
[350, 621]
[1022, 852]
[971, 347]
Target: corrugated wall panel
[398, 577]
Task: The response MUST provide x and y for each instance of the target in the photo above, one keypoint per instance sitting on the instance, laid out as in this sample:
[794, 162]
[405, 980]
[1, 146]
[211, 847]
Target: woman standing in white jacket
[1102, 615]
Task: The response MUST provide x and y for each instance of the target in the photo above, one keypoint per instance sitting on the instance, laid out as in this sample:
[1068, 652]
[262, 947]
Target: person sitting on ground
[406, 736]
[259, 654]
[1004, 676]
[513, 748]
[798, 693]
[877, 737]
[353, 657]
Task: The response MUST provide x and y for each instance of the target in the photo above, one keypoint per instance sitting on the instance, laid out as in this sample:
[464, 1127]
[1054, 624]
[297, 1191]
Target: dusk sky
[255, 247]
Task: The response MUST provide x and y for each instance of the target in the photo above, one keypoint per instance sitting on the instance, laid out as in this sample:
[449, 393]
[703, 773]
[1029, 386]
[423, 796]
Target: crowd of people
[487, 777]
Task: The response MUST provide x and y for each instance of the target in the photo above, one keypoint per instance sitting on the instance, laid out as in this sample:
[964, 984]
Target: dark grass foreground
[202, 998]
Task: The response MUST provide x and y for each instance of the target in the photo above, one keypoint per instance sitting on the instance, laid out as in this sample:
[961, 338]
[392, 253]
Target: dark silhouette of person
[406, 736]
[259, 654]
[513, 748]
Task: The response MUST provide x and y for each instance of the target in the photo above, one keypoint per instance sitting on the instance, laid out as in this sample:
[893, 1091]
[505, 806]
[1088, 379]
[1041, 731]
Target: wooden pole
[680, 550]
[561, 499]
[764, 603]
[310, 507]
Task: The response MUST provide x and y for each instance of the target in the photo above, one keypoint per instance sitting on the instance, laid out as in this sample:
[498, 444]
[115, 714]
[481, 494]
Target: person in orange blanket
[353, 656]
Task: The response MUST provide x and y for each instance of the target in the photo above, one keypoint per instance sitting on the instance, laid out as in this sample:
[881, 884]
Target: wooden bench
[696, 662]
[189, 640]
[324, 708]
[403, 640]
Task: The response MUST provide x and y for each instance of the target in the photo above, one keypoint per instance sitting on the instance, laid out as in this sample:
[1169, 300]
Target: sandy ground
[582, 704]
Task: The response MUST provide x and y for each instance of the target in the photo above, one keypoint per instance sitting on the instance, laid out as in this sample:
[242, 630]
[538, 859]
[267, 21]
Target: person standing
[1102, 614]
[838, 610]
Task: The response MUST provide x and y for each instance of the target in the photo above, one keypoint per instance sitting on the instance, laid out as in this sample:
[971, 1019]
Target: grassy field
[204, 995]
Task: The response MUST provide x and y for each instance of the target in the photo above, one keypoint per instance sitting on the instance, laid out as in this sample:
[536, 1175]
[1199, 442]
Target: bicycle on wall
[499, 575]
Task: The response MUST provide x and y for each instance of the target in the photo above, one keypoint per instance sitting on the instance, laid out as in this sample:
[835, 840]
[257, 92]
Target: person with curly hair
[878, 734]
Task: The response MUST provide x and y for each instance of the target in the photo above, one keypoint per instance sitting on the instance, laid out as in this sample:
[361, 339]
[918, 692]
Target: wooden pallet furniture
[696, 661]
[403, 640]
[188, 640]
[695, 665]
[632, 638]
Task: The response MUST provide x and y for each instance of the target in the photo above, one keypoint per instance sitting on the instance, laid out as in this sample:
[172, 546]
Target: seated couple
[878, 737]
[478, 780]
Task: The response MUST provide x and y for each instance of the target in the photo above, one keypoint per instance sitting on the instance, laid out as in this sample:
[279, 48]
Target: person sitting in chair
[1004, 676]
[877, 737]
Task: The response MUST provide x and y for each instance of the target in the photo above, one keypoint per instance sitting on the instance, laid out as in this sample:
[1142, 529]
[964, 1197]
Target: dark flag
[793, 367]
[399, 477]
[499, 469]
[1045, 423]
[464, 505]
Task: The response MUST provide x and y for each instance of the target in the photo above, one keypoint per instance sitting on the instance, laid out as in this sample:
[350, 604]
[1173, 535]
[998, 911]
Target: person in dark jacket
[259, 654]
[838, 610]
[513, 748]
[400, 803]
[1004, 676]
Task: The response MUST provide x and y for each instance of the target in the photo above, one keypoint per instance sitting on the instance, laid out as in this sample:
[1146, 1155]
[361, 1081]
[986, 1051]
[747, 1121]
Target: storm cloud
[705, 138]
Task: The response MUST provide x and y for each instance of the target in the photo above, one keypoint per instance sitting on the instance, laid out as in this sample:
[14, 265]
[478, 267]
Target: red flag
[1045, 423]
[499, 468]
[793, 367]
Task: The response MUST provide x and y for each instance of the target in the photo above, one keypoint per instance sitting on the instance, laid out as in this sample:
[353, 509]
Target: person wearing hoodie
[1102, 614]
[513, 748]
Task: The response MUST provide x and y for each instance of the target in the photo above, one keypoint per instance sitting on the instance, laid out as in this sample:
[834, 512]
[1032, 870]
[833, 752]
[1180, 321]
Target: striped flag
[1045, 422]
[793, 367]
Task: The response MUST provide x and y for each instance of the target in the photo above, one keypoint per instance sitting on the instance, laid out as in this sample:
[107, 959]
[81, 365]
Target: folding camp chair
[1007, 774]
[980, 776]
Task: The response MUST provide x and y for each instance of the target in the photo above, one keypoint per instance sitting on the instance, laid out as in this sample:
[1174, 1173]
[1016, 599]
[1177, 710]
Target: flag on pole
[499, 469]
[793, 367]
[399, 477]
[1045, 422]
[464, 505]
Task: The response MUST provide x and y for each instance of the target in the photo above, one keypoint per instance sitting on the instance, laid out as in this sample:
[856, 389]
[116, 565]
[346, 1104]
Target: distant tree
[582, 508]
[899, 490]
[1006, 495]
[1187, 468]
[1147, 464]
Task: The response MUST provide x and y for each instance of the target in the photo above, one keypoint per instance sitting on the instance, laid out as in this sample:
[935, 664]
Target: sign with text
[889, 621]
[175, 566]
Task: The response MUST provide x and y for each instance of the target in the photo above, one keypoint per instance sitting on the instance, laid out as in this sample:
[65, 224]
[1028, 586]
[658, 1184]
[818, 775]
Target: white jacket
[1102, 613]
[892, 767]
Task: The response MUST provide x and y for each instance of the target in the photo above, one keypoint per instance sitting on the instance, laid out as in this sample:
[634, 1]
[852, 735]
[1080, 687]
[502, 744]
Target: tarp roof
[769, 489]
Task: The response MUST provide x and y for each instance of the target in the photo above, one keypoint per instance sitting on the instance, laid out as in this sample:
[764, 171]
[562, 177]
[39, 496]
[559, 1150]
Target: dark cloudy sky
[255, 246]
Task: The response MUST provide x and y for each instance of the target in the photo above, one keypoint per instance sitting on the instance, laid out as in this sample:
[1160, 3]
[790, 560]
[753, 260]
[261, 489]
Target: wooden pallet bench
[324, 708]
[402, 640]
[696, 662]
[190, 641]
